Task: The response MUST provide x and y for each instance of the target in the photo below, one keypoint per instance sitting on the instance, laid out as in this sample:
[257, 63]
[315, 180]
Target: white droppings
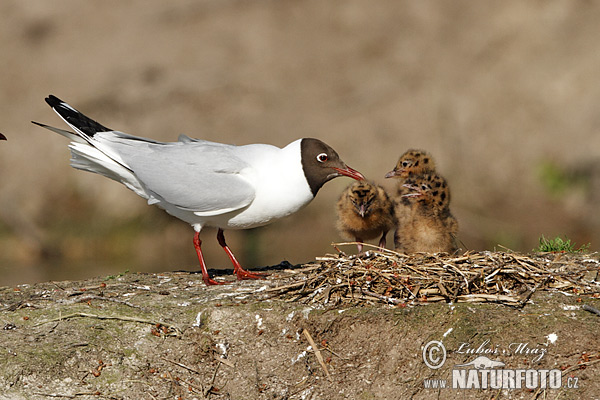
[341, 311]
[447, 332]
[306, 311]
[259, 321]
[198, 321]
[306, 393]
[570, 308]
[184, 304]
[222, 347]
[290, 316]
[552, 338]
[301, 355]
[298, 357]
[261, 289]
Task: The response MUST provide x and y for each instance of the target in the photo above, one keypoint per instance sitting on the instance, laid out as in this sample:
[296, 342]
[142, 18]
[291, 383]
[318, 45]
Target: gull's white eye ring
[322, 157]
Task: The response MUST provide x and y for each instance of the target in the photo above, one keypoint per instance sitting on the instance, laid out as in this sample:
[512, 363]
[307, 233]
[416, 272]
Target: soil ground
[168, 336]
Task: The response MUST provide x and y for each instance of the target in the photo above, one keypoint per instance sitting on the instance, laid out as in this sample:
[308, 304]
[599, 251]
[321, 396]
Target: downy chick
[429, 226]
[364, 212]
[412, 163]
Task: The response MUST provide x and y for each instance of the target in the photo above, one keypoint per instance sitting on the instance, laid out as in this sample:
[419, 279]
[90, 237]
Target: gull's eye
[322, 157]
[405, 164]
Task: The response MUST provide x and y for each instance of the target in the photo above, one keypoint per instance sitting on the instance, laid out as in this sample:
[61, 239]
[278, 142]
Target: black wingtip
[2, 137]
[74, 117]
[53, 101]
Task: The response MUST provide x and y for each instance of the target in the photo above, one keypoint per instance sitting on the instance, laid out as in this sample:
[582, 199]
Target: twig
[212, 381]
[182, 366]
[591, 309]
[190, 386]
[335, 354]
[578, 366]
[68, 396]
[387, 299]
[487, 297]
[224, 361]
[286, 287]
[96, 297]
[317, 353]
[177, 331]
[525, 298]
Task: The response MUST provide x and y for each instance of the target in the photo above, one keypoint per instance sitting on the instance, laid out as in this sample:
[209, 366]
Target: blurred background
[505, 95]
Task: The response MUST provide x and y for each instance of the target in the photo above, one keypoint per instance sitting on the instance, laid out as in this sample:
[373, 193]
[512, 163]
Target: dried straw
[385, 276]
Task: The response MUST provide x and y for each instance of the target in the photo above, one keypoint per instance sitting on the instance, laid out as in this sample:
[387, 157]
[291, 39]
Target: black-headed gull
[205, 183]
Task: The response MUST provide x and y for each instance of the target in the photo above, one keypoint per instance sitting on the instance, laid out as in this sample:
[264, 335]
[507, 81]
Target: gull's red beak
[352, 173]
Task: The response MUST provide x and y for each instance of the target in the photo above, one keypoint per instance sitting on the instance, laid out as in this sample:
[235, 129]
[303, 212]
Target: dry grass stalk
[385, 276]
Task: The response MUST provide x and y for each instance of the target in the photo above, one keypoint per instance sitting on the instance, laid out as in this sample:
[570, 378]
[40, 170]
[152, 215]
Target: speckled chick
[365, 212]
[412, 163]
[429, 226]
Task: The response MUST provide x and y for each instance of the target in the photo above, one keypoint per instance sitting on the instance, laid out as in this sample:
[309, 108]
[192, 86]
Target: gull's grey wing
[186, 139]
[203, 177]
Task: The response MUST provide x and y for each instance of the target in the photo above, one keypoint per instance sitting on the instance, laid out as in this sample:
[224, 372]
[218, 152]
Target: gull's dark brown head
[412, 162]
[321, 163]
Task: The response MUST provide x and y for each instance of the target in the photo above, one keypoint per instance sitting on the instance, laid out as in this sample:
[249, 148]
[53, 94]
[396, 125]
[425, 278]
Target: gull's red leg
[237, 268]
[205, 277]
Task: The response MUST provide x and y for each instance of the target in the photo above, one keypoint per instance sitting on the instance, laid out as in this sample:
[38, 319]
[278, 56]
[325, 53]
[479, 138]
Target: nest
[385, 276]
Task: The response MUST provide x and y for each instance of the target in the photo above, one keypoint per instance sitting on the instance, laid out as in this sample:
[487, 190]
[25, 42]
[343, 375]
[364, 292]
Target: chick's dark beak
[394, 172]
[416, 191]
[362, 210]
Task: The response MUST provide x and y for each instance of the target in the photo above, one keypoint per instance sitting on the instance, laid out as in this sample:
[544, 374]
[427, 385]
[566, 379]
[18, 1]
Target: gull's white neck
[279, 181]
